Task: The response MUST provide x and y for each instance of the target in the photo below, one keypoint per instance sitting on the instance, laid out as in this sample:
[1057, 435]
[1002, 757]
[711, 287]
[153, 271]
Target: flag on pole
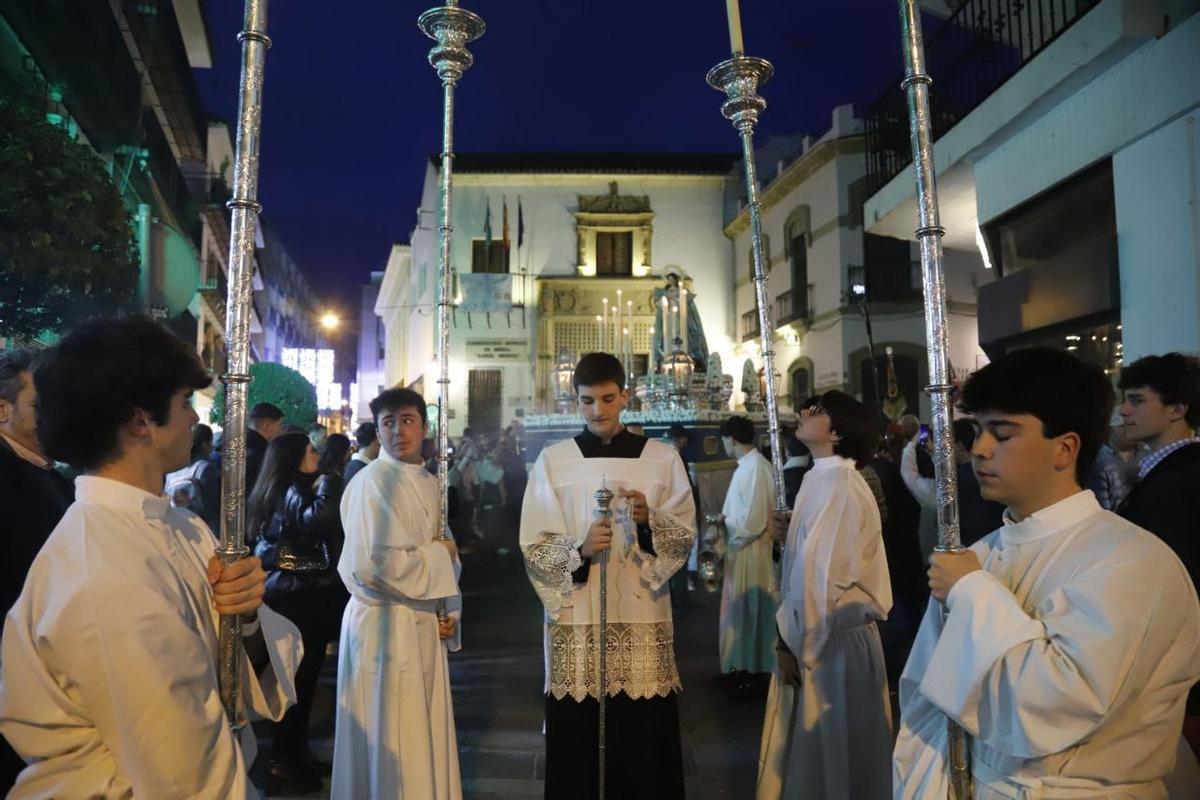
[520, 224]
[504, 225]
[487, 227]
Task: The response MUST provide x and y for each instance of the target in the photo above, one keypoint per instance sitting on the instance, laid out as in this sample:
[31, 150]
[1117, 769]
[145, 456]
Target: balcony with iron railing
[970, 55]
[750, 328]
[794, 305]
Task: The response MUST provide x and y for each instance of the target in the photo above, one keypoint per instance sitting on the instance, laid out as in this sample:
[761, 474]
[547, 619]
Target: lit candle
[604, 328]
[735, 26]
[626, 352]
[674, 325]
[617, 324]
[683, 317]
[599, 333]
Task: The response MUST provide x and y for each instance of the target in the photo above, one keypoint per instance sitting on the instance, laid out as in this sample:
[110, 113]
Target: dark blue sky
[352, 108]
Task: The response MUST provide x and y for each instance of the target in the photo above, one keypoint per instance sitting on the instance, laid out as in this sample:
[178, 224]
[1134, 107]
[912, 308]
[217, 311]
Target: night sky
[352, 108]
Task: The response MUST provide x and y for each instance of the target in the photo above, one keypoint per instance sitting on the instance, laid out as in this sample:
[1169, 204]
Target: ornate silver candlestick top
[452, 28]
[739, 78]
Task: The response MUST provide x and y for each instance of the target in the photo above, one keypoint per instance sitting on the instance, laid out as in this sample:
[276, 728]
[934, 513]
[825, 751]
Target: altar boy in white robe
[646, 541]
[1072, 636]
[827, 732]
[110, 653]
[749, 596]
[394, 737]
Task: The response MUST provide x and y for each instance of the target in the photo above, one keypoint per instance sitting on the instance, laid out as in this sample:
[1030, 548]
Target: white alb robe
[110, 658]
[1067, 658]
[558, 509]
[831, 736]
[749, 596]
[394, 736]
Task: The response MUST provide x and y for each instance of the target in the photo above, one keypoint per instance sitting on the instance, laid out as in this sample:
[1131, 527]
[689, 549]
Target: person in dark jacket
[367, 439]
[296, 526]
[1161, 409]
[265, 423]
[34, 496]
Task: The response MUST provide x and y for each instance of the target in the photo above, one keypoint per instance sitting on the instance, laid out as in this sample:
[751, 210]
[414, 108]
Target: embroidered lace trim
[641, 660]
[549, 564]
[672, 544]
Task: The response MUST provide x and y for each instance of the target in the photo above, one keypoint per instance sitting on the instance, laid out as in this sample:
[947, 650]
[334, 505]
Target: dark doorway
[484, 400]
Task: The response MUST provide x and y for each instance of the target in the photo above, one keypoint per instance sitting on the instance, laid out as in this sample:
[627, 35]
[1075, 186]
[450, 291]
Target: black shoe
[289, 779]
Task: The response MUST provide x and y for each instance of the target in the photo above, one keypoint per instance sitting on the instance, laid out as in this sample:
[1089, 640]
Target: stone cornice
[797, 173]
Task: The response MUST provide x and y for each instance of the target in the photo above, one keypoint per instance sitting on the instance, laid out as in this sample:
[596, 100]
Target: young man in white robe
[749, 596]
[1072, 636]
[394, 735]
[646, 540]
[110, 653]
[827, 732]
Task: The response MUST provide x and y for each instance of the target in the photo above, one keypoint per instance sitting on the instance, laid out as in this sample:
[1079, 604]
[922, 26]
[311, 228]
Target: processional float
[739, 78]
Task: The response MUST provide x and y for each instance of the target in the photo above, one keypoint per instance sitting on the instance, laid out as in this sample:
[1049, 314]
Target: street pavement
[498, 701]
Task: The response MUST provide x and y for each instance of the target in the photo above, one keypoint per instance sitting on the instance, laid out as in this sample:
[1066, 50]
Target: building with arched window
[823, 268]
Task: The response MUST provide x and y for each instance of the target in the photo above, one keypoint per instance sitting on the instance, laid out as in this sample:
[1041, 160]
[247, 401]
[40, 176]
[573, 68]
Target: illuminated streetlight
[330, 321]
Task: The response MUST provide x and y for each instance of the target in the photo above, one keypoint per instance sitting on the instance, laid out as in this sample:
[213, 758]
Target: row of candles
[612, 337]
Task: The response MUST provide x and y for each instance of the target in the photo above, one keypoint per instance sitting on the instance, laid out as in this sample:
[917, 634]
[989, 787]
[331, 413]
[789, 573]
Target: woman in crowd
[294, 520]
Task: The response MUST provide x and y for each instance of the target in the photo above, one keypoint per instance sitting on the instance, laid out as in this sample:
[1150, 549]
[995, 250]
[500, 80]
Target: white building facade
[1075, 178]
[580, 227]
[820, 262]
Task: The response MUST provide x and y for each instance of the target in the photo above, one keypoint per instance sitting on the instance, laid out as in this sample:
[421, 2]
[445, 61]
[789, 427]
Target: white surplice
[831, 736]
[749, 596]
[558, 509]
[1068, 659]
[110, 658]
[394, 735]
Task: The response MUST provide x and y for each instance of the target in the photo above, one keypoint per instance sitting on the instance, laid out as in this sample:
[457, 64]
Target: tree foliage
[67, 251]
[283, 386]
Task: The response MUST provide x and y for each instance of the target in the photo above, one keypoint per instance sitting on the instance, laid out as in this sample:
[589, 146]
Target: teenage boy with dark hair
[394, 734]
[749, 592]
[1162, 411]
[828, 730]
[1072, 635]
[646, 539]
[110, 654]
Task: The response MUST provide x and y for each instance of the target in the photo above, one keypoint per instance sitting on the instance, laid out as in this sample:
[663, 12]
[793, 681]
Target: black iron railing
[794, 304]
[981, 45]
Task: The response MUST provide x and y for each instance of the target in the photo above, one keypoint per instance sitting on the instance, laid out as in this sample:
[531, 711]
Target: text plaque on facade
[497, 351]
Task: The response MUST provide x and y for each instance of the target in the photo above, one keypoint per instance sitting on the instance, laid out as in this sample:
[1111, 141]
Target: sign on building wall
[508, 351]
[483, 292]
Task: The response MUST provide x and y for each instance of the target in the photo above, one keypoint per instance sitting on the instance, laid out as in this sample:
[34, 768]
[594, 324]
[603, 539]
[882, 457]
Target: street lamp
[330, 321]
[858, 293]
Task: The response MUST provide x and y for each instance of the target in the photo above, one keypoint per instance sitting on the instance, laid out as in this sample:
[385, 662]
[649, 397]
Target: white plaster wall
[687, 232]
[1156, 181]
[1155, 84]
